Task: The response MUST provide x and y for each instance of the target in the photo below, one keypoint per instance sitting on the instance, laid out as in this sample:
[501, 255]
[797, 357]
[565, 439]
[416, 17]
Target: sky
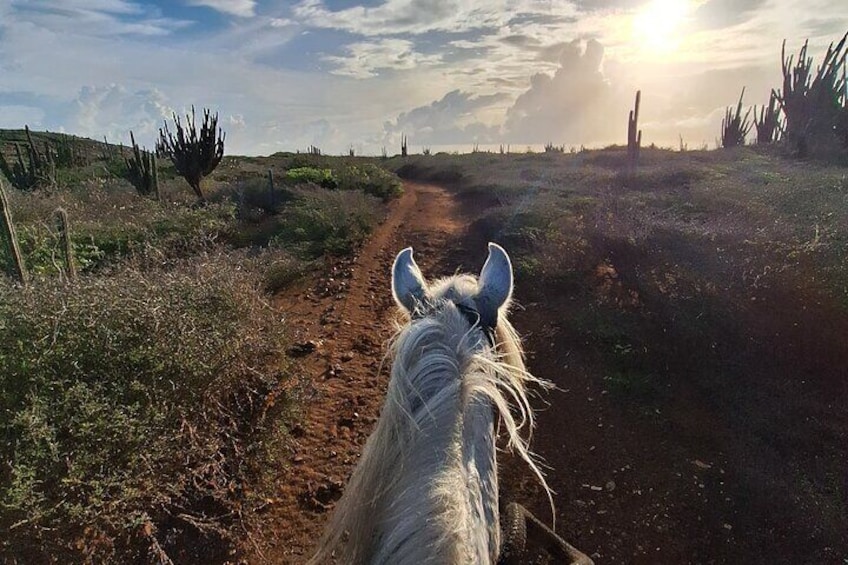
[341, 74]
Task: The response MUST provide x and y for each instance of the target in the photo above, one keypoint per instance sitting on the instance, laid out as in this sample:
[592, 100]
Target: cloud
[13, 116]
[572, 106]
[394, 17]
[717, 14]
[114, 110]
[367, 58]
[453, 119]
[240, 8]
[103, 18]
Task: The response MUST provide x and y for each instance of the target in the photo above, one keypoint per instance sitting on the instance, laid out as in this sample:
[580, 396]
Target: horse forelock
[404, 501]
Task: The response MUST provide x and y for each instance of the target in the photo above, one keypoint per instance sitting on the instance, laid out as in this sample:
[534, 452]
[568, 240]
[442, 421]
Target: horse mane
[441, 367]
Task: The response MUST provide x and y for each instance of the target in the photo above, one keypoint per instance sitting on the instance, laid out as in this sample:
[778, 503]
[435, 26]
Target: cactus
[141, 170]
[11, 237]
[38, 169]
[811, 103]
[194, 154]
[68, 152]
[634, 135]
[767, 121]
[735, 127]
[67, 247]
[403, 146]
[271, 197]
[383, 153]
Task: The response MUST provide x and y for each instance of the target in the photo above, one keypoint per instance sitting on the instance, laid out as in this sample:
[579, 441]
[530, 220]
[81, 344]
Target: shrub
[322, 177]
[370, 179]
[125, 399]
[321, 221]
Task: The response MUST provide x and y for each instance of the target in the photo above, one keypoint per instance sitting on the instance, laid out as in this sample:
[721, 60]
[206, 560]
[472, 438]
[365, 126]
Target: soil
[687, 482]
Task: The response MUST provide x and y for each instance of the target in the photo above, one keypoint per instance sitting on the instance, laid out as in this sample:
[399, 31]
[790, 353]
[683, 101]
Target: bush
[321, 221]
[107, 227]
[322, 177]
[127, 398]
[370, 179]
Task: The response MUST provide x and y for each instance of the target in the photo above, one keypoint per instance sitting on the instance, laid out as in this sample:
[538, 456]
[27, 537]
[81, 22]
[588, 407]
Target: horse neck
[426, 490]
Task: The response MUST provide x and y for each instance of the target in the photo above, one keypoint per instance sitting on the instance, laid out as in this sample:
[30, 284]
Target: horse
[425, 490]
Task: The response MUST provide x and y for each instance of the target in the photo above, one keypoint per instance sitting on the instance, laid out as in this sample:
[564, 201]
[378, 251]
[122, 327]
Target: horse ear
[408, 286]
[495, 283]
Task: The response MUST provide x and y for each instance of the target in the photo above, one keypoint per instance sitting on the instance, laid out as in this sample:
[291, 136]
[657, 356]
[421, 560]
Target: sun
[658, 27]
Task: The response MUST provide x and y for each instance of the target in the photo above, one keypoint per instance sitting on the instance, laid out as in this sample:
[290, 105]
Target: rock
[610, 486]
[701, 465]
[302, 349]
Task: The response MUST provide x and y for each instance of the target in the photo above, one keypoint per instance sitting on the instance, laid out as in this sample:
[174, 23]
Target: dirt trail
[340, 325]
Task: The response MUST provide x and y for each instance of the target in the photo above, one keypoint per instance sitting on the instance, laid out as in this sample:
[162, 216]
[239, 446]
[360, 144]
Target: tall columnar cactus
[11, 237]
[767, 121]
[735, 127]
[811, 103]
[634, 135]
[142, 171]
[69, 153]
[195, 154]
[403, 146]
[32, 168]
[67, 248]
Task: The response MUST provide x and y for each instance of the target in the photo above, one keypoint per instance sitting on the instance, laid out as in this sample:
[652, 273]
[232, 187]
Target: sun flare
[658, 27]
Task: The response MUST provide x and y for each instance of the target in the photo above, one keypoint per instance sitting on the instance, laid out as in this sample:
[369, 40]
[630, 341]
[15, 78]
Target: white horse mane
[425, 489]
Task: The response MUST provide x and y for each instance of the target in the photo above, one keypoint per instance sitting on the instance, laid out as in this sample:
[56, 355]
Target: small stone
[701, 465]
[610, 486]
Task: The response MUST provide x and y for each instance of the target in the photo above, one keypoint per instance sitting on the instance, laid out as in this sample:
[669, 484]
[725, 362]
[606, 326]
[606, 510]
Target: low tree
[195, 154]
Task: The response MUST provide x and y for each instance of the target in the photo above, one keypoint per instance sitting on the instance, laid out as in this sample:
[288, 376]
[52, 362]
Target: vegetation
[10, 238]
[634, 134]
[194, 154]
[321, 177]
[142, 366]
[735, 126]
[767, 122]
[813, 104]
[31, 168]
[152, 386]
[141, 170]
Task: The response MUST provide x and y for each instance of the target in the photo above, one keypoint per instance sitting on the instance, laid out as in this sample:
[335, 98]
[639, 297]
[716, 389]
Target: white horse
[425, 490]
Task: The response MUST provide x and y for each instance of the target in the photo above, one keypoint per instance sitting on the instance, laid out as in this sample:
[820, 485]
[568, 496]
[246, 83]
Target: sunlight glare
[657, 28]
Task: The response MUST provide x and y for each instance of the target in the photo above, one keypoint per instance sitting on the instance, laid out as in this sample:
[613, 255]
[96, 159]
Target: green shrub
[106, 234]
[321, 221]
[322, 177]
[124, 399]
[370, 179]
